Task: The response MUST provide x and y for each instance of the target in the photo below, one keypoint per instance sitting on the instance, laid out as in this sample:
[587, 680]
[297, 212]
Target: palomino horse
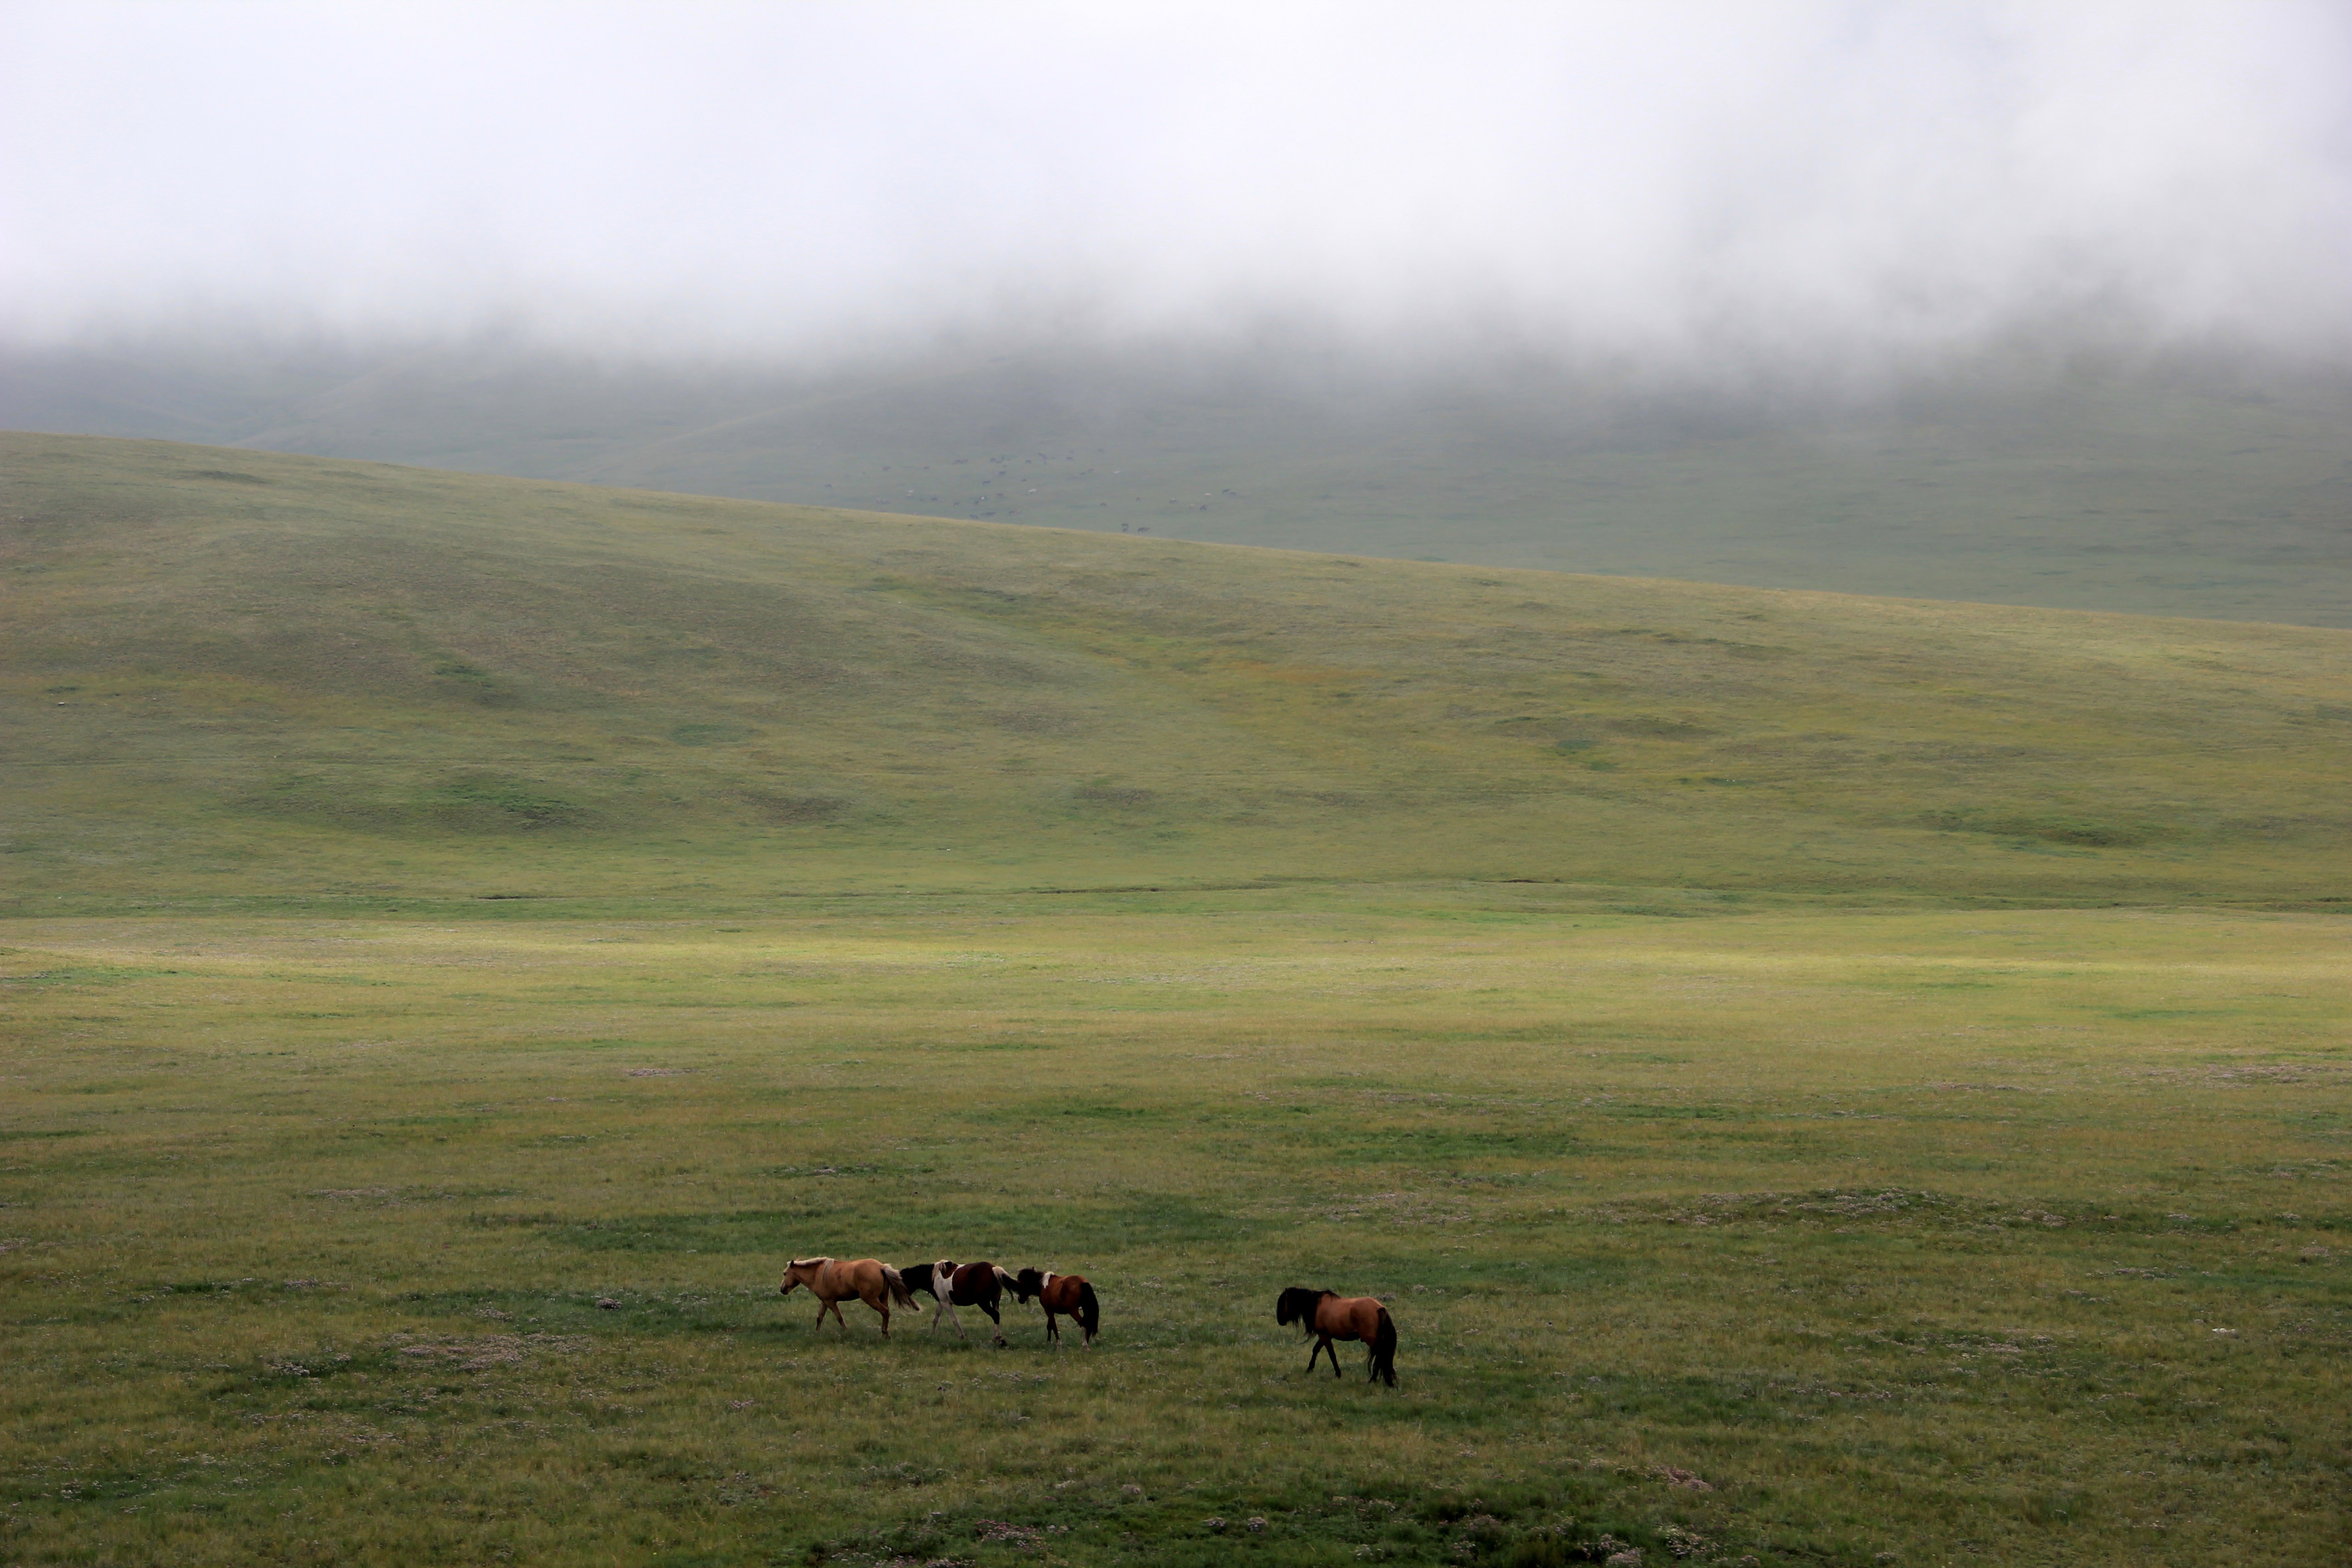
[980, 1285]
[833, 1280]
[1327, 1317]
[1068, 1293]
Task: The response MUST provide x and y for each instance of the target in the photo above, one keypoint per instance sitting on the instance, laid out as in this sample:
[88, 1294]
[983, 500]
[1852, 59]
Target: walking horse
[833, 1280]
[1065, 1294]
[980, 1285]
[1327, 1317]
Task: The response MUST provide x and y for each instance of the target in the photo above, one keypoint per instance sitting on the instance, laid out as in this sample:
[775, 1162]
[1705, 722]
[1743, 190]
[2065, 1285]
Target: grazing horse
[1068, 1293]
[980, 1285]
[1326, 1317]
[833, 1280]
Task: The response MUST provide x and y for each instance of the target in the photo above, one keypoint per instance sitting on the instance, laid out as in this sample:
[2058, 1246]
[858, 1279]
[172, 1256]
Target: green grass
[2092, 492]
[353, 686]
[1886, 1059]
[2014, 479]
[1910, 1234]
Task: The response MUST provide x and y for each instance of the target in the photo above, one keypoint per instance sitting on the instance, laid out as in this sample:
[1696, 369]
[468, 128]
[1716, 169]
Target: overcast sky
[1658, 179]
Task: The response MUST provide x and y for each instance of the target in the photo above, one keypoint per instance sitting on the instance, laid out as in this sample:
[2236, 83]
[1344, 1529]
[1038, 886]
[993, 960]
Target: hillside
[234, 674]
[2215, 494]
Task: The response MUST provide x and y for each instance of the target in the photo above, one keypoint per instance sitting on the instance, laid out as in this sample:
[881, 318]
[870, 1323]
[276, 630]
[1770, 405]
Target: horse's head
[798, 1274]
[1296, 1305]
[1027, 1283]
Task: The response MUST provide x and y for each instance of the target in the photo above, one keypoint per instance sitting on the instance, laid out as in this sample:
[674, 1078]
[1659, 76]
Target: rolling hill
[247, 680]
[2015, 479]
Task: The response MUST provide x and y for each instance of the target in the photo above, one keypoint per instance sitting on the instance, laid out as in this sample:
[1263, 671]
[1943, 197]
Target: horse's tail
[1384, 1349]
[899, 1292]
[1090, 1312]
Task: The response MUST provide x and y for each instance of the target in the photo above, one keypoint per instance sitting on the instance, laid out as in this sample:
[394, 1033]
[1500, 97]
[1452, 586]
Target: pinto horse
[980, 1285]
[1326, 1317]
[833, 1280]
[1067, 1293]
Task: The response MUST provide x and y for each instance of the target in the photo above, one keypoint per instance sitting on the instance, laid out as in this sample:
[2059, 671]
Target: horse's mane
[809, 1262]
[1297, 1303]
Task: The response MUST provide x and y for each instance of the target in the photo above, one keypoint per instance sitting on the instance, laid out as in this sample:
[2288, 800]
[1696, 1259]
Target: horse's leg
[947, 1311]
[992, 1304]
[1335, 1357]
[1314, 1355]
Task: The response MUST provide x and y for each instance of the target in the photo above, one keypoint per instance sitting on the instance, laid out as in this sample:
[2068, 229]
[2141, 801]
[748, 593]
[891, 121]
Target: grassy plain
[1886, 1059]
[2013, 1237]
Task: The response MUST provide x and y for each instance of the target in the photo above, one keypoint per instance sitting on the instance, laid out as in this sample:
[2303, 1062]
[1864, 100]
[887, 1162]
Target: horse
[1068, 1293]
[973, 1285]
[834, 1279]
[1325, 1317]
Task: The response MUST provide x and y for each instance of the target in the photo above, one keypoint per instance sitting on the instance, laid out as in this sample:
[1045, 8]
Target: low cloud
[1680, 186]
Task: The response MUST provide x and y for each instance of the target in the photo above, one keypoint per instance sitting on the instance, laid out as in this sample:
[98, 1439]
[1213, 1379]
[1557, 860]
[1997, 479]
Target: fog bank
[1829, 189]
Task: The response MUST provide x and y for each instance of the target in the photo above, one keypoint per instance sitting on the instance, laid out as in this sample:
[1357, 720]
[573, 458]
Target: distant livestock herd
[1323, 1316]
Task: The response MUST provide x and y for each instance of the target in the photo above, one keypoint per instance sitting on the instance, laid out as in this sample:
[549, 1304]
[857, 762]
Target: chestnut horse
[1326, 1317]
[833, 1280]
[1068, 1293]
[980, 1285]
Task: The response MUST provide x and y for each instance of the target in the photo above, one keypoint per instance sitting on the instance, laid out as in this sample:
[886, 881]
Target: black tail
[1090, 1312]
[1383, 1357]
[899, 1292]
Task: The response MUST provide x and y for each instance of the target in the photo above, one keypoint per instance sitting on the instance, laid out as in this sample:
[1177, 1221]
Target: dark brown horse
[1326, 1317]
[1065, 1294]
[980, 1285]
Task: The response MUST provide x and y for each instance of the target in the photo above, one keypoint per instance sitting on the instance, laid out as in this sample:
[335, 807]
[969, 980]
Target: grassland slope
[2007, 478]
[231, 674]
